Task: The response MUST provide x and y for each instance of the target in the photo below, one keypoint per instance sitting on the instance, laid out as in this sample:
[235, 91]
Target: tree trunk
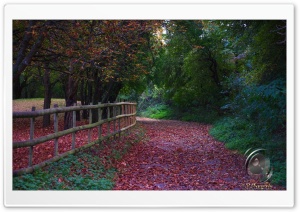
[86, 94]
[111, 91]
[28, 48]
[83, 97]
[215, 73]
[24, 45]
[24, 59]
[17, 88]
[70, 97]
[96, 98]
[47, 95]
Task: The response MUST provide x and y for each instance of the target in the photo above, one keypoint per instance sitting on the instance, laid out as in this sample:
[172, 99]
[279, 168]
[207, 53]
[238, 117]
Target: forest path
[181, 155]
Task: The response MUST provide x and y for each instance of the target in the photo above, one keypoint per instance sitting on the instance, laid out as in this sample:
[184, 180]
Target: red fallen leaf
[60, 180]
[181, 156]
[179, 149]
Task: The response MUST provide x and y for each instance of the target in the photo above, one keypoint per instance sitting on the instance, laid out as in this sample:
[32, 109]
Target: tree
[96, 56]
[28, 38]
[193, 63]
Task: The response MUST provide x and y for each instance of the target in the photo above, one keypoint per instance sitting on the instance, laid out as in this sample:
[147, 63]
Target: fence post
[126, 118]
[135, 107]
[130, 107]
[78, 116]
[123, 112]
[114, 115]
[130, 120]
[99, 119]
[128, 111]
[31, 138]
[131, 113]
[90, 121]
[55, 131]
[119, 120]
[74, 125]
[108, 123]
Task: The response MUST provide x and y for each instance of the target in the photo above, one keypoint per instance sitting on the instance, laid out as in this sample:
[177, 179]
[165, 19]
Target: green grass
[83, 171]
[239, 134]
[194, 114]
[159, 111]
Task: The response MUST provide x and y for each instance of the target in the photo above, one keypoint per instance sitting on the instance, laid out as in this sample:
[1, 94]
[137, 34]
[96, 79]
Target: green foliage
[257, 92]
[264, 105]
[193, 65]
[82, 171]
[116, 154]
[259, 121]
[199, 114]
[235, 133]
[159, 111]
[151, 97]
[237, 68]
[193, 114]
[239, 134]
[210, 68]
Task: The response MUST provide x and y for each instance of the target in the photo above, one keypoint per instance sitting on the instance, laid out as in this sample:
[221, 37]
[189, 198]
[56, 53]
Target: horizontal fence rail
[32, 114]
[115, 112]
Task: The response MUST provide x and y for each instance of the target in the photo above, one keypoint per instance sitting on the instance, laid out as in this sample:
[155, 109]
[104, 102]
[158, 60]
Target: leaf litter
[183, 156]
[175, 155]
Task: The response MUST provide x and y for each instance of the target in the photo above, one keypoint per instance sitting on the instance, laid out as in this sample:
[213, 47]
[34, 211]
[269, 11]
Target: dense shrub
[258, 120]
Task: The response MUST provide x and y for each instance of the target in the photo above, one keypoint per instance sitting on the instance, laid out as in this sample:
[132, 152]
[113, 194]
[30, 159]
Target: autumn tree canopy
[93, 57]
[229, 71]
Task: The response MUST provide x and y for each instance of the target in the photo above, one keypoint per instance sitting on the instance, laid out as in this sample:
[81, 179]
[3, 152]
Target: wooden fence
[115, 112]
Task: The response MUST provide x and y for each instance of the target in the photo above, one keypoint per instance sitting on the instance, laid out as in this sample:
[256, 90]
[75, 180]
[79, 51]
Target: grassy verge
[193, 114]
[91, 169]
[82, 171]
[239, 134]
[159, 111]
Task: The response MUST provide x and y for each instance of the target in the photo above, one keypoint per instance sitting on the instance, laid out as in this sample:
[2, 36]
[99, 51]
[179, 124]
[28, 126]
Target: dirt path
[182, 156]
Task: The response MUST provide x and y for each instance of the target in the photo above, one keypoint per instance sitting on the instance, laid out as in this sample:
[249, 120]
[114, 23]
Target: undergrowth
[239, 134]
[90, 169]
[193, 114]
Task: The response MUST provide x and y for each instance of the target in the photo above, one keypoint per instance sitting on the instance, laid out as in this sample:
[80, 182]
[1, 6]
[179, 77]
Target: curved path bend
[180, 155]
